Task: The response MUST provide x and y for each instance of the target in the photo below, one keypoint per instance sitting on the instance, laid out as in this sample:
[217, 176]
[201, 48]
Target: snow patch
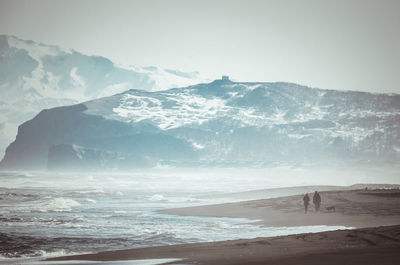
[114, 89]
[35, 50]
[185, 110]
[197, 146]
[164, 79]
[253, 87]
[77, 80]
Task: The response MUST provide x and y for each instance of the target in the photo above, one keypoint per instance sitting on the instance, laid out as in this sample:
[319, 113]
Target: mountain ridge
[224, 123]
[36, 76]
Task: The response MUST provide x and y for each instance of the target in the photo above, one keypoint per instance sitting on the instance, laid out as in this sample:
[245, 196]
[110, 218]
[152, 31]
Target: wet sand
[353, 208]
[362, 246]
[379, 244]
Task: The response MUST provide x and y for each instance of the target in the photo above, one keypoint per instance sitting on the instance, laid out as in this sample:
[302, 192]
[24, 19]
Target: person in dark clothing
[317, 201]
[306, 201]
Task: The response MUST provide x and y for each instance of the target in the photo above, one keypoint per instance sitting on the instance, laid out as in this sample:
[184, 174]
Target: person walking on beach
[317, 201]
[306, 201]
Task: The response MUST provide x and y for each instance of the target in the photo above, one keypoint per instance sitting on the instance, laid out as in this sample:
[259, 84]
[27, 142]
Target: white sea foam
[132, 220]
[59, 205]
[119, 193]
[94, 190]
[157, 197]
[162, 198]
[120, 212]
[220, 224]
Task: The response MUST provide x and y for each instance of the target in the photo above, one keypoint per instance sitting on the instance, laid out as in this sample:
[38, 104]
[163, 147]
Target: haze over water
[59, 213]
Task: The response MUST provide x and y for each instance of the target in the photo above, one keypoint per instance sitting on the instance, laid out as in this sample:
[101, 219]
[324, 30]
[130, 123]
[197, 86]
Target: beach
[362, 246]
[353, 208]
[374, 213]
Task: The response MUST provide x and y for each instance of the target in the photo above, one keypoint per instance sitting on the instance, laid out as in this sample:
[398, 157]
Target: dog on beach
[331, 209]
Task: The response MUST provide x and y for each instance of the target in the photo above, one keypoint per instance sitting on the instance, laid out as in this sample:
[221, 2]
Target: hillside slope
[222, 123]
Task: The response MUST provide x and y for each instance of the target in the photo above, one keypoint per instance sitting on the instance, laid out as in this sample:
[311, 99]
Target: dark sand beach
[353, 208]
[362, 246]
[375, 214]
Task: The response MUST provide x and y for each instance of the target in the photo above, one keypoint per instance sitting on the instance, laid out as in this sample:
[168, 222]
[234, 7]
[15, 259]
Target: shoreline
[377, 245]
[376, 239]
[353, 208]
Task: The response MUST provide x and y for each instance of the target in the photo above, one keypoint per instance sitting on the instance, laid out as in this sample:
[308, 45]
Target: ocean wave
[91, 200]
[27, 219]
[33, 253]
[58, 205]
[220, 224]
[17, 195]
[20, 246]
[162, 198]
[120, 212]
[96, 190]
[182, 199]
[157, 238]
[157, 197]
[13, 219]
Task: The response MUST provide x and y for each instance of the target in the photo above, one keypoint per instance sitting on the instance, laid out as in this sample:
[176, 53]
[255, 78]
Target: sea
[48, 214]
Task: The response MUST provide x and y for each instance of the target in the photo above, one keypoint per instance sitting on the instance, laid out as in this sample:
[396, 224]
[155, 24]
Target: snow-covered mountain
[218, 123]
[36, 76]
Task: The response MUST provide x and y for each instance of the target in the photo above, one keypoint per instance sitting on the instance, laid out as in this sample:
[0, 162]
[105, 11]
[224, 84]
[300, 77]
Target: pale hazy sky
[347, 45]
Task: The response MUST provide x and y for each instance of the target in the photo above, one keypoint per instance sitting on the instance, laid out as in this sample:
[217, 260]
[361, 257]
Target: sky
[344, 45]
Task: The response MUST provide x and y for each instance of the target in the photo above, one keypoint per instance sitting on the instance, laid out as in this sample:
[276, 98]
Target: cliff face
[45, 141]
[220, 123]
